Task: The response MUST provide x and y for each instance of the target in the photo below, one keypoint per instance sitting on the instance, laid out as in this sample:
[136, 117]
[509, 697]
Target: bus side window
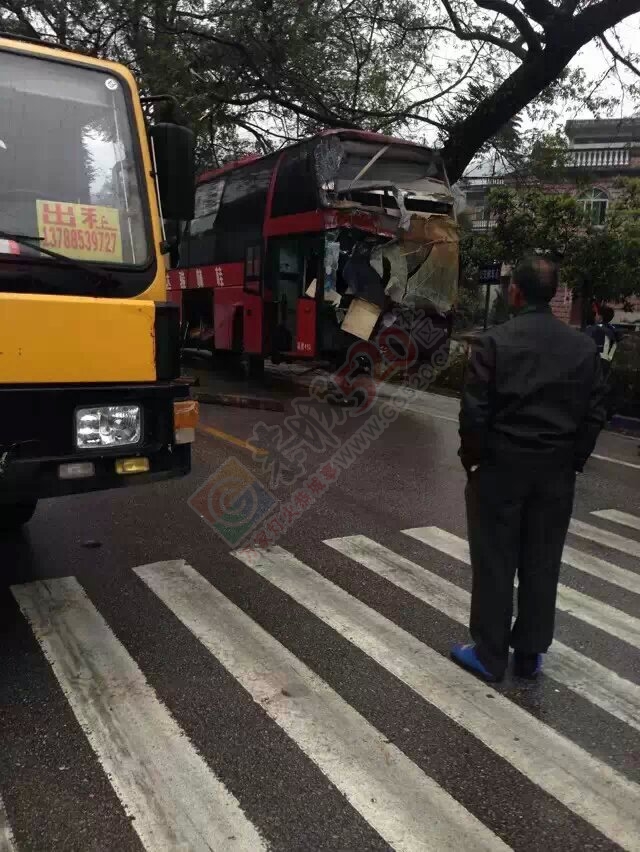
[252, 265]
[240, 220]
[199, 242]
[245, 195]
[208, 197]
[295, 190]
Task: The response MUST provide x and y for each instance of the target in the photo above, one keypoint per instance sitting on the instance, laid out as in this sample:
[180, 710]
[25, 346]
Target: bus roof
[344, 133]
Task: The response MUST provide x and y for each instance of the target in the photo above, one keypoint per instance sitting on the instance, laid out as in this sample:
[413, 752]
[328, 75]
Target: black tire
[15, 515]
[228, 362]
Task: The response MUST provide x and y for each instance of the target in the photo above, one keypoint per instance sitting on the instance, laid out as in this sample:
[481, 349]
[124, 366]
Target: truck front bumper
[37, 437]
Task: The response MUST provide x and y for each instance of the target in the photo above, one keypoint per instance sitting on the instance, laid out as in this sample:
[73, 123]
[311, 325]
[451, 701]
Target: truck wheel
[15, 515]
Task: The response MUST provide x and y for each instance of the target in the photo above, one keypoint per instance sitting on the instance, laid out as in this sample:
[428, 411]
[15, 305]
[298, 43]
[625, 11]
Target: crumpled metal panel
[432, 249]
[391, 256]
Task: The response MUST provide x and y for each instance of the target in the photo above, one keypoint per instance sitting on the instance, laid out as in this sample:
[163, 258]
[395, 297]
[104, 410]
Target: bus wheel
[255, 367]
[15, 515]
[228, 361]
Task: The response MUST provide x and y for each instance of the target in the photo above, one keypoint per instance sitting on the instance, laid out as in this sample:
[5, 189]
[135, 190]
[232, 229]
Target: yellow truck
[90, 396]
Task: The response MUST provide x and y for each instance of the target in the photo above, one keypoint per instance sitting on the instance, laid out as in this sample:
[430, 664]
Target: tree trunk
[586, 295]
[518, 90]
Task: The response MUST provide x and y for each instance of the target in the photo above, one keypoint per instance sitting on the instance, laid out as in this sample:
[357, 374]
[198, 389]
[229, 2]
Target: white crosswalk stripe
[161, 780]
[596, 567]
[177, 802]
[584, 676]
[594, 612]
[406, 807]
[604, 537]
[619, 517]
[582, 783]
[7, 842]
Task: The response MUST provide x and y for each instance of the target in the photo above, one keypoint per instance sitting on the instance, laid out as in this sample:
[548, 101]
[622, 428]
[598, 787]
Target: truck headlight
[108, 426]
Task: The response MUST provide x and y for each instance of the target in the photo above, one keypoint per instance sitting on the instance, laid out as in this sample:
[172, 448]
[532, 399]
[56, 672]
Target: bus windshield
[373, 173]
[68, 169]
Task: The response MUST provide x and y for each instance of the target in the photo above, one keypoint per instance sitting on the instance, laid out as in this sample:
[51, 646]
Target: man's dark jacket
[533, 394]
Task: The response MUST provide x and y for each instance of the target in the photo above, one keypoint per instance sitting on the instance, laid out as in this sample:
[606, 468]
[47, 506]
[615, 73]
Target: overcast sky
[595, 61]
[592, 59]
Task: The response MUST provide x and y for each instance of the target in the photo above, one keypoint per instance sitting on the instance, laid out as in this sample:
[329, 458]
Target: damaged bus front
[300, 253]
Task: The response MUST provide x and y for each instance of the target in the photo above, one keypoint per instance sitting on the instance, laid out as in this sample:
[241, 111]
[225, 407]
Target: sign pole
[488, 275]
[486, 306]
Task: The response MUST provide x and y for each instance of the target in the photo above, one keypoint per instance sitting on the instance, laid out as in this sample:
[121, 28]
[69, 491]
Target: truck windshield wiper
[32, 242]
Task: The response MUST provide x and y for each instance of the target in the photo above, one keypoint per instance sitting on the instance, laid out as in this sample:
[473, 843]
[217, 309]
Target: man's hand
[594, 420]
[474, 409]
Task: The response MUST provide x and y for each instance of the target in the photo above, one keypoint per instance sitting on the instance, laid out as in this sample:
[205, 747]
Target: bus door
[253, 300]
[293, 269]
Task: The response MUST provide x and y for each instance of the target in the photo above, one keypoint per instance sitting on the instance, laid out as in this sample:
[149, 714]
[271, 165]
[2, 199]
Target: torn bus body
[299, 253]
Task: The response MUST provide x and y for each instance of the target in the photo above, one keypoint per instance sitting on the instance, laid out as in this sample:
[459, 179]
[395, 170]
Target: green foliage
[470, 307]
[258, 74]
[529, 220]
[625, 377]
[548, 156]
[452, 376]
[599, 262]
[603, 263]
[476, 250]
[499, 310]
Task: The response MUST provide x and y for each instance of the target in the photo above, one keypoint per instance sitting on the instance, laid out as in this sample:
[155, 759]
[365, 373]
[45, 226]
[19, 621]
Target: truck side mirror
[174, 150]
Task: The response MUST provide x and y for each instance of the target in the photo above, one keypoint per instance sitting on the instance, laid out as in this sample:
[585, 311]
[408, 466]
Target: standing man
[532, 408]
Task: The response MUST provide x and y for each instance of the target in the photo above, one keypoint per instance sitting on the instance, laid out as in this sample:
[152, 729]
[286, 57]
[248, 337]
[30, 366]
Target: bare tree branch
[541, 10]
[17, 10]
[255, 132]
[618, 56]
[502, 7]
[367, 113]
[600, 17]
[479, 35]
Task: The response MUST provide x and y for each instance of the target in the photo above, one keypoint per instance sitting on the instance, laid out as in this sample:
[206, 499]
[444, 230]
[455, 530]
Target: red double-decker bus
[297, 254]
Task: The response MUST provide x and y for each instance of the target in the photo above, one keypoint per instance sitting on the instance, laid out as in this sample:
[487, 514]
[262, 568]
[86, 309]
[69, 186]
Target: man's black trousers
[517, 519]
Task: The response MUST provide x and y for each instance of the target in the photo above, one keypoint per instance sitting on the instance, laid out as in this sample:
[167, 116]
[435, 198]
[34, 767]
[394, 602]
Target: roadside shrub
[625, 375]
[452, 376]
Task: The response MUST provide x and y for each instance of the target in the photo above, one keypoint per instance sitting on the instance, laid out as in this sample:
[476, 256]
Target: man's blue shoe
[465, 656]
[527, 666]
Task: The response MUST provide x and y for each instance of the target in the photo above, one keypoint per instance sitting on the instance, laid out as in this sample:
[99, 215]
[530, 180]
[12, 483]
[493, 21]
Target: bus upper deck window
[296, 190]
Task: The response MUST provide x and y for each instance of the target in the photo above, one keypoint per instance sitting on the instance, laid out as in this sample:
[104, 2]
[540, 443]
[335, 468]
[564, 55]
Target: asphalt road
[305, 700]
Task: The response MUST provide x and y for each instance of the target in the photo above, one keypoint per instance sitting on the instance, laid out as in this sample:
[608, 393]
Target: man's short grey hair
[537, 279]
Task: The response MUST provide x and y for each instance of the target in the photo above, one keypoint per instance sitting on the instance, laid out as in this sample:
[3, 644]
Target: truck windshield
[68, 170]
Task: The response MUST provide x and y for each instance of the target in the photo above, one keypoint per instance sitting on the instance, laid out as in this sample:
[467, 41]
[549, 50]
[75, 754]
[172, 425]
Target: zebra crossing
[584, 676]
[176, 799]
